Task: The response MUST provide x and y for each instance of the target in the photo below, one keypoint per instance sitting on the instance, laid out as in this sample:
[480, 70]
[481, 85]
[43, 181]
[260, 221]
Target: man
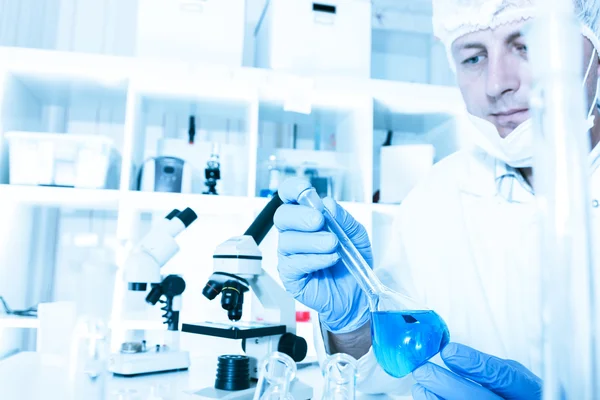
[464, 239]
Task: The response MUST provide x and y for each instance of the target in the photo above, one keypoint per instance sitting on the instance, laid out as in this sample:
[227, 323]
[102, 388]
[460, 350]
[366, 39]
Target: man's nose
[502, 76]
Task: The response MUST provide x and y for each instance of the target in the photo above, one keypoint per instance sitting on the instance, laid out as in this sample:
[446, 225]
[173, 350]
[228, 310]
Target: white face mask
[516, 149]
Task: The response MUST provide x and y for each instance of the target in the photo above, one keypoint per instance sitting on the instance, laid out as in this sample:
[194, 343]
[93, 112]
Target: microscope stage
[238, 330]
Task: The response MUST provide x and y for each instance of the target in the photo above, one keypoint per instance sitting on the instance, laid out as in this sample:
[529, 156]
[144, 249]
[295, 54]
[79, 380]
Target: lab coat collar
[489, 177]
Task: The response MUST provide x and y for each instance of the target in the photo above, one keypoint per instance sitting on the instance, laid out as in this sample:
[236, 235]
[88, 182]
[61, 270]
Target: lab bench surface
[28, 376]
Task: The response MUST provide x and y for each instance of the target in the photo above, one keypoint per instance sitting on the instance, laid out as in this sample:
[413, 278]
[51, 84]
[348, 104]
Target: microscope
[212, 172]
[142, 268]
[272, 327]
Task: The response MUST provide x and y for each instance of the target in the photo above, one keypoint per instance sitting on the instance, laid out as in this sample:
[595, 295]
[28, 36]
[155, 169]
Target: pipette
[404, 334]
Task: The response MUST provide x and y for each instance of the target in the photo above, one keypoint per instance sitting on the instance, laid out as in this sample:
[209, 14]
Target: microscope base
[148, 362]
[298, 390]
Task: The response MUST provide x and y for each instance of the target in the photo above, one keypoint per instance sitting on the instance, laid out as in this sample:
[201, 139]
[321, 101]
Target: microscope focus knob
[294, 346]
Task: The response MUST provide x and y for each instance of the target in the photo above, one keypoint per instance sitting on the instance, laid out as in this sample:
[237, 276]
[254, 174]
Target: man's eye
[473, 60]
[521, 47]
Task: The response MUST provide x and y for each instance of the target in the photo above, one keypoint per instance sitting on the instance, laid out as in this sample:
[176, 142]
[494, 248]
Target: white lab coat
[465, 243]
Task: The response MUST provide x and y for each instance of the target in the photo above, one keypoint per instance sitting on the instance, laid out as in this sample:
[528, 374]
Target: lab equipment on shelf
[339, 375]
[217, 164]
[166, 174]
[68, 160]
[404, 334]
[320, 168]
[276, 375]
[212, 172]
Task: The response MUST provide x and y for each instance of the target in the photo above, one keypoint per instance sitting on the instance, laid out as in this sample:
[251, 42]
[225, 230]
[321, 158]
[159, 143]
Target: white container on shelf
[209, 31]
[401, 169]
[82, 161]
[321, 37]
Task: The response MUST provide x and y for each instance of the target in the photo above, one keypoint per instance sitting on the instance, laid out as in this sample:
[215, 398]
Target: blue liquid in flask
[405, 340]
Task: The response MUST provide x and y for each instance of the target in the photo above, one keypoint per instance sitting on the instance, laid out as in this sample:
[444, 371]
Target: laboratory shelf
[183, 79]
[135, 324]
[202, 204]
[14, 321]
[60, 197]
[149, 201]
[108, 70]
[218, 205]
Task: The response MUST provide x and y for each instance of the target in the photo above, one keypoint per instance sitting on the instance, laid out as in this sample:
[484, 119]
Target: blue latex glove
[309, 265]
[475, 375]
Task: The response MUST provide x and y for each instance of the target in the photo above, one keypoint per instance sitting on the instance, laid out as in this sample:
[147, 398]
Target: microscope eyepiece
[137, 286]
[187, 216]
[172, 214]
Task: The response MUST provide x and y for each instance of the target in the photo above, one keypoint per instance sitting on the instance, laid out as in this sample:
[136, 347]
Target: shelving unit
[144, 105]
[60, 197]
[13, 321]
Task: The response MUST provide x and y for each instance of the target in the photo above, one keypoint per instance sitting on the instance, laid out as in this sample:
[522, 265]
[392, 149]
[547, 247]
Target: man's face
[494, 75]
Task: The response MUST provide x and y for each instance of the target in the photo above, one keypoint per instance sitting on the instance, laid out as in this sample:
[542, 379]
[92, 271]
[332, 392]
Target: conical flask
[404, 333]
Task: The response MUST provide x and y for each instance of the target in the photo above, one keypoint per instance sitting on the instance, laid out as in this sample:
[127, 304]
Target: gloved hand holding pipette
[475, 375]
[322, 266]
[309, 265]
